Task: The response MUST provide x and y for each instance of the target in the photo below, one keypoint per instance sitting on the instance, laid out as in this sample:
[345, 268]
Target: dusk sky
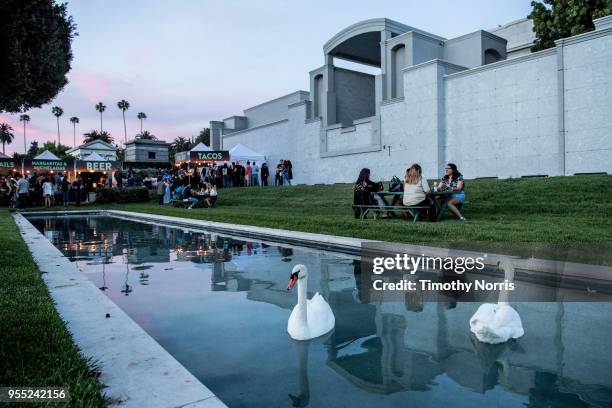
[187, 62]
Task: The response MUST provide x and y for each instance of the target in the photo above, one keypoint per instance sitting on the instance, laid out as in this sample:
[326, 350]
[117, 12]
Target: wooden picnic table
[440, 199]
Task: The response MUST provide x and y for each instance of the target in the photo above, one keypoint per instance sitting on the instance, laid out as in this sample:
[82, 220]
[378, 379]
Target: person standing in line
[255, 176]
[77, 186]
[241, 175]
[218, 176]
[248, 172]
[286, 179]
[47, 188]
[278, 176]
[225, 172]
[161, 191]
[23, 189]
[65, 190]
[167, 191]
[290, 167]
[265, 173]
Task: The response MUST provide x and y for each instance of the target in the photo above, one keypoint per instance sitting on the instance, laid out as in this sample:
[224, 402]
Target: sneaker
[462, 219]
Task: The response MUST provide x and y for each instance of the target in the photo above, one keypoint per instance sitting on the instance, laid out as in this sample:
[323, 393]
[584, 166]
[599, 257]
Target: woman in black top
[363, 189]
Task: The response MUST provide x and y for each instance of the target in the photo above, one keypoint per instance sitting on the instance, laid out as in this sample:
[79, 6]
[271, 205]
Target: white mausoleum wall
[588, 105]
[502, 120]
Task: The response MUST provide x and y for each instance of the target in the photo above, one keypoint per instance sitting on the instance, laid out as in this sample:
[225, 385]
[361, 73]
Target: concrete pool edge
[542, 270]
[135, 369]
[543, 267]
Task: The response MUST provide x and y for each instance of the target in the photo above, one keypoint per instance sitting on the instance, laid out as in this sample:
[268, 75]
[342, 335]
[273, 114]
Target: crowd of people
[251, 174]
[416, 191]
[52, 189]
[49, 190]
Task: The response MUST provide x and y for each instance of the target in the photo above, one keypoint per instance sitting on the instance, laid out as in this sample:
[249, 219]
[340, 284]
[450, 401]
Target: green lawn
[36, 349]
[557, 217]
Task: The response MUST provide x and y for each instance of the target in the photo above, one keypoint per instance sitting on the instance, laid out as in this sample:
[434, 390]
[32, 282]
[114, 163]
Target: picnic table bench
[440, 199]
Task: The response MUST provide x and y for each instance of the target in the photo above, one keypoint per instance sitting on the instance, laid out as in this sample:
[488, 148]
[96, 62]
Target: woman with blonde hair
[416, 190]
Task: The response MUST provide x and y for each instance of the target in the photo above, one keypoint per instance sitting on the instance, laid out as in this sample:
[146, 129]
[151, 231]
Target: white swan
[309, 318]
[497, 323]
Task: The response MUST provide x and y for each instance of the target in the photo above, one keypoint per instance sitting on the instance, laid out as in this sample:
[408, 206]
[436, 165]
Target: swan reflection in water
[301, 348]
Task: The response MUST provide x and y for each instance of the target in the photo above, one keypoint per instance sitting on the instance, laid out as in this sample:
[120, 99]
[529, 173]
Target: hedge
[122, 196]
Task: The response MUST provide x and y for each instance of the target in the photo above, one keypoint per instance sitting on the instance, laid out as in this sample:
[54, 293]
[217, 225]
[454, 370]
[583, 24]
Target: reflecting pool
[219, 305]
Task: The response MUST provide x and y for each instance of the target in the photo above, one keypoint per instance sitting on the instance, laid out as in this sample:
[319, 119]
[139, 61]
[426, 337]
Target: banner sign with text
[45, 165]
[83, 165]
[213, 155]
[9, 164]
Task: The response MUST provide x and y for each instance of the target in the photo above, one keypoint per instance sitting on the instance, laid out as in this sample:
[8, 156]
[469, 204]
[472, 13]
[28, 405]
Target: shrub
[123, 196]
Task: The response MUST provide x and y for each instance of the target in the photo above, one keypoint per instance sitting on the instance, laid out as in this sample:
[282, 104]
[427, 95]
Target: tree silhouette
[100, 107]
[6, 135]
[74, 120]
[141, 116]
[24, 118]
[124, 105]
[57, 112]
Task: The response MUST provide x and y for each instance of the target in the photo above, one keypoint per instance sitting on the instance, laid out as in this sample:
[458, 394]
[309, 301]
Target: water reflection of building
[388, 347]
[385, 347]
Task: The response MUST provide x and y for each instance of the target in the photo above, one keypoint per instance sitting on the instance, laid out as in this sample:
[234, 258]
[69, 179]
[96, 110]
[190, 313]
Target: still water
[220, 306]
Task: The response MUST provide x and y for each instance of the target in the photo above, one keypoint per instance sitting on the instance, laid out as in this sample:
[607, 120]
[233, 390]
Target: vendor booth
[46, 163]
[199, 155]
[96, 171]
[241, 153]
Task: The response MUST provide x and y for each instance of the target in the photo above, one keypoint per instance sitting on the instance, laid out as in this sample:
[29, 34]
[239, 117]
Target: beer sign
[95, 166]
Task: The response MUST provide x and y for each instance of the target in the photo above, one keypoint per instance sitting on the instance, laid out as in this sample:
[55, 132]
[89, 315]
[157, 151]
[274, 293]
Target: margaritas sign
[45, 165]
[213, 155]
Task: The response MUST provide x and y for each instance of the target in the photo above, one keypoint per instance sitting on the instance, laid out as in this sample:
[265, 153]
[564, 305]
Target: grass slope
[555, 217]
[36, 349]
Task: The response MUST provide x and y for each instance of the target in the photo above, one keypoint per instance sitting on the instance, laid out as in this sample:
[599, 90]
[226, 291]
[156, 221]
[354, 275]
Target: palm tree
[24, 118]
[100, 107]
[141, 116]
[57, 112]
[146, 135]
[124, 105]
[95, 135]
[181, 144]
[74, 120]
[6, 135]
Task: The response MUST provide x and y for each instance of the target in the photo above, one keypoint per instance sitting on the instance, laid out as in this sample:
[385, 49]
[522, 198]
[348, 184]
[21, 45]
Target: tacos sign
[218, 155]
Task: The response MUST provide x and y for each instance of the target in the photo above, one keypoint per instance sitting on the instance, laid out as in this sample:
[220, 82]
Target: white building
[481, 100]
[106, 150]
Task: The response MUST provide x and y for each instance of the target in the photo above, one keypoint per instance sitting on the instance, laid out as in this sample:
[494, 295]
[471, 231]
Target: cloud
[93, 86]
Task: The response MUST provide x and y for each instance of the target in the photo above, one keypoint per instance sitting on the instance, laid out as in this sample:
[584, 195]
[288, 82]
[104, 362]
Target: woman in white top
[416, 190]
[48, 191]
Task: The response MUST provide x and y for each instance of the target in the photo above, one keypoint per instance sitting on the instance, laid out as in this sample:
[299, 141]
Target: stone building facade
[483, 101]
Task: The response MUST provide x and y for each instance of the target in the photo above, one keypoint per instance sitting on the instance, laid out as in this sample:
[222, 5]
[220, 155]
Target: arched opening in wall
[491, 56]
[318, 94]
[398, 62]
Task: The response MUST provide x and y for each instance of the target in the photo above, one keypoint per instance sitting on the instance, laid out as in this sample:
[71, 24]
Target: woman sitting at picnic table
[416, 190]
[453, 180]
[363, 189]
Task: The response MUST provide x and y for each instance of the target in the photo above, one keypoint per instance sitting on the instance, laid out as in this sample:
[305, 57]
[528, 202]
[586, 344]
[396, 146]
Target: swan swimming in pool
[498, 323]
[310, 318]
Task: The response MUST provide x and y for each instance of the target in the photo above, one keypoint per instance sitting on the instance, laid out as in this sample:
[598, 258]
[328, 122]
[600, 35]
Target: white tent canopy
[94, 157]
[201, 147]
[242, 153]
[46, 155]
[4, 156]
